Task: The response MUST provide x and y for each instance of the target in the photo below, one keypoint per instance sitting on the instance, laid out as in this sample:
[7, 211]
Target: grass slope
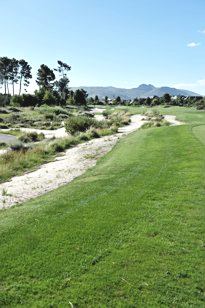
[199, 131]
[128, 233]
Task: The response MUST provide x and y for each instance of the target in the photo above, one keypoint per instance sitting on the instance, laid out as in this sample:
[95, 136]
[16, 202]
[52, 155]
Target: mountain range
[144, 90]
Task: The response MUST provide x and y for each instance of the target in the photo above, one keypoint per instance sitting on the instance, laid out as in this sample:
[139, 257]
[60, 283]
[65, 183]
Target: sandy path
[56, 133]
[63, 169]
[172, 119]
[136, 122]
[54, 174]
[3, 151]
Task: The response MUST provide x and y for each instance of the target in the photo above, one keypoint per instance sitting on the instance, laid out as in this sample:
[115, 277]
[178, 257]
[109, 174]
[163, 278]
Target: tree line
[166, 100]
[53, 88]
[53, 84]
[14, 72]
[18, 72]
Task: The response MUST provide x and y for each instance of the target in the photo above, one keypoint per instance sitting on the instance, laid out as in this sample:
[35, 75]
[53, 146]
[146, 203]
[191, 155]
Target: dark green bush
[4, 111]
[83, 137]
[49, 98]
[60, 145]
[5, 99]
[18, 147]
[24, 100]
[93, 133]
[31, 137]
[79, 124]
[106, 113]
[4, 126]
[57, 147]
[14, 117]
[200, 105]
[3, 145]
[59, 110]
[14, 109]
[49, 116]
[17, 100]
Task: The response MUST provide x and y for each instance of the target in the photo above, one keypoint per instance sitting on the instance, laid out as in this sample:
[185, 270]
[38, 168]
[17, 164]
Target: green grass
[189, 115]
[128, 233]
[13, 132]
[199, 131]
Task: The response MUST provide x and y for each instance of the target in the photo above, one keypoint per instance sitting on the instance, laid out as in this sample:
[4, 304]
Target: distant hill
[143, 90]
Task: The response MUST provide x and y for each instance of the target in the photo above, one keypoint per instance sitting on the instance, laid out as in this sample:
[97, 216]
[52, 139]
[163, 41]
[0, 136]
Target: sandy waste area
[65, 168]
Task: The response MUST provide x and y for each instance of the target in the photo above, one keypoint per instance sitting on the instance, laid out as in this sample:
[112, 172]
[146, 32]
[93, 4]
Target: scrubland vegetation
[154, 119]
[43, 117]
[26, 155]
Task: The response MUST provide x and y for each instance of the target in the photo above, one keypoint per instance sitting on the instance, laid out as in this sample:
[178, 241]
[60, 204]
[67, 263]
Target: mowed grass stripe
[199, 132]
[129, 232]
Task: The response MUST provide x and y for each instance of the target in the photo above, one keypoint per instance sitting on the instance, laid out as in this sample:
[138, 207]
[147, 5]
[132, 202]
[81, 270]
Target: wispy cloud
[197, 86]
[193, 45]
[202, 31]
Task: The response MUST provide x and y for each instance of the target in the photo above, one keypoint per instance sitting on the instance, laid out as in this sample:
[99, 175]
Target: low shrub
[49, 98]
[19, 146]
[21, 159]
[154, 123]
[14, 109]
[118, 119]
[4, 111]
[60, 145]
[57, 147]
[106, 113]
[31, 137]
[5, 99]
[83, 137]
[93, 133]
[4, 126]
[17, 100]
[14, 118]
[200, 105]
[49, 116]
[79, 124]
[24, 100]
[57, 110]
[3, 145]
[108, 131]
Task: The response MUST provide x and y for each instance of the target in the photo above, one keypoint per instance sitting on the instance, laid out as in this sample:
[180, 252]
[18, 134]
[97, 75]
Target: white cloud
[197, 86]
[202, 31]
[201, 82]
[193, 45]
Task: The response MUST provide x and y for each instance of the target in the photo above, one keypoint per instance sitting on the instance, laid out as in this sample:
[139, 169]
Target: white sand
[54, 174]
[56, 133]
[63, 169]
[3, 151]
[172, 119]
[48, 133]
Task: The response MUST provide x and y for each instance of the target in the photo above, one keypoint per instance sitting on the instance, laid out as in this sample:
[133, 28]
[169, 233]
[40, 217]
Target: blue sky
[121, 43]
